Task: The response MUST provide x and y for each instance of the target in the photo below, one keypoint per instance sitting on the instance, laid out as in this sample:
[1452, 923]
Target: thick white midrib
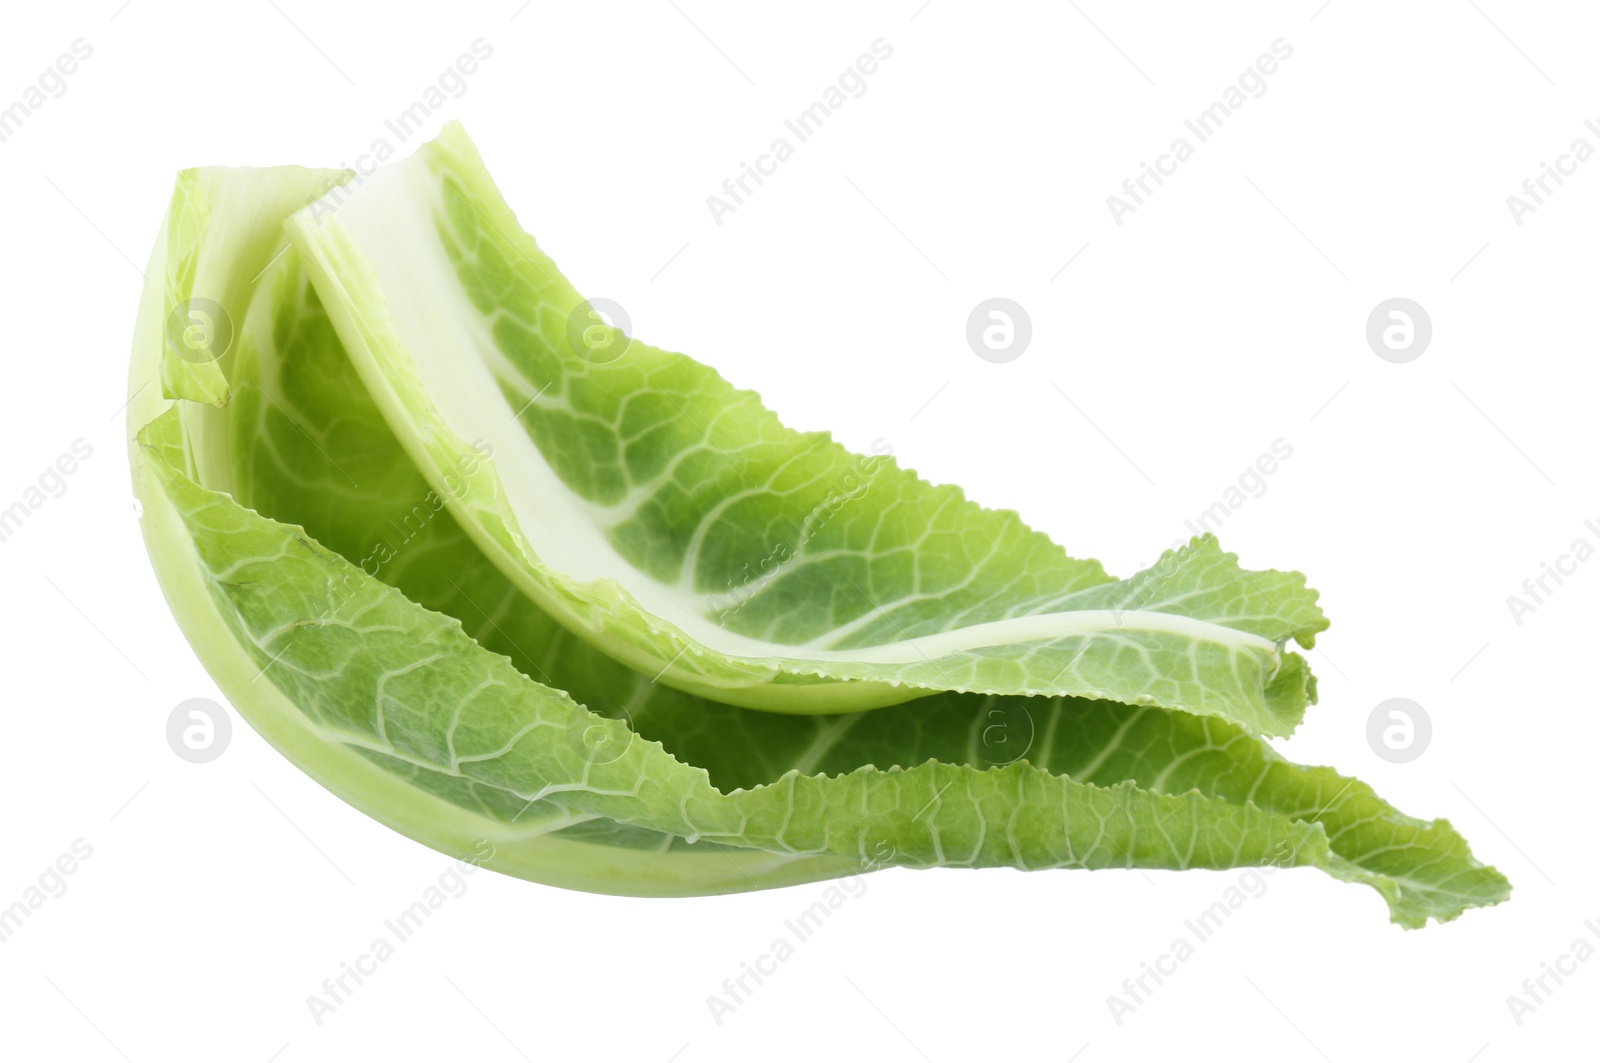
[1045, 627]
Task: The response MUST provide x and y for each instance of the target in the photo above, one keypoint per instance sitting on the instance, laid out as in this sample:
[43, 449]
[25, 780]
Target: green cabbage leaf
[490, 570]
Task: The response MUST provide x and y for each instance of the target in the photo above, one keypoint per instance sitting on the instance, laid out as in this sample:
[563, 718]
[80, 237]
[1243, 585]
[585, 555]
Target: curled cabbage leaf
[492, 571]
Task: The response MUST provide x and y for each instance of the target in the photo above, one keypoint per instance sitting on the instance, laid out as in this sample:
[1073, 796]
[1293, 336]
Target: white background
[1227, 312]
